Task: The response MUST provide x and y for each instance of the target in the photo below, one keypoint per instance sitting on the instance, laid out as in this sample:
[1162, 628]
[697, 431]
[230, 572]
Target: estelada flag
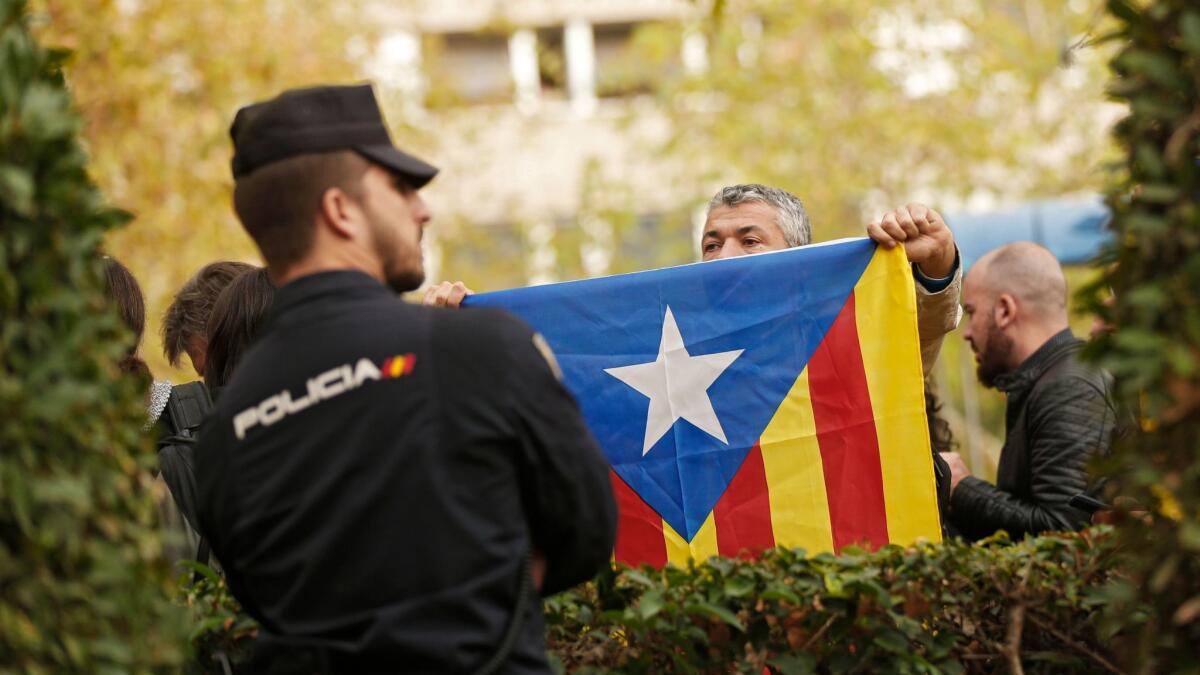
[773, 399]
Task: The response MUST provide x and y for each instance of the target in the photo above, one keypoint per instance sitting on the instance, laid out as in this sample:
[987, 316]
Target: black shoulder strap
[524, 589]
[187, 407]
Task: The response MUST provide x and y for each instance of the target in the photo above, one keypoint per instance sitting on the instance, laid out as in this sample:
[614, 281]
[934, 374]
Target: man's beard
[993, 361]
[399, 274]
[402, 279]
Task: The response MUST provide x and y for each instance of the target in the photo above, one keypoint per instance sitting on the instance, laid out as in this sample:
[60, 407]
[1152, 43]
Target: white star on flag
[677, 385]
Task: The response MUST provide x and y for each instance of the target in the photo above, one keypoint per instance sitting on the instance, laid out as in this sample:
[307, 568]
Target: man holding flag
[750, 402]
[752, 218]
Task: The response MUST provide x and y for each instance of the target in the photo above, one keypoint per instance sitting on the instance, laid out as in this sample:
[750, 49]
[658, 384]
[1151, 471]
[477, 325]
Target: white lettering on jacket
[322, 387]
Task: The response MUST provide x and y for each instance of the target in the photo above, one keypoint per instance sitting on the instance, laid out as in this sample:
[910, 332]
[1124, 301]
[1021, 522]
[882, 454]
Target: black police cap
[319, 119]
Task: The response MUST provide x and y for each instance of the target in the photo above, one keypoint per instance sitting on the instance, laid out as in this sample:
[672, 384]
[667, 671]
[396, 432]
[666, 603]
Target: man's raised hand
[446, 294]
[926, 238]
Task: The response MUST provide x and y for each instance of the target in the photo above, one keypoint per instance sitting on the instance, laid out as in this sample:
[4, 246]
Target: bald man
[1059, 411]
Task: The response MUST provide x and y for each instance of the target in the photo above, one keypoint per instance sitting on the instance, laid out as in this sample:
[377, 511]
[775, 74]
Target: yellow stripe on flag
[795, 479]
[886, 314]
[703, 546]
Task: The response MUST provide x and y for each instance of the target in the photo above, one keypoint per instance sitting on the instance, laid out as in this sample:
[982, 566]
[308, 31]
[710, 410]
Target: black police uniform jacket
[376, 472]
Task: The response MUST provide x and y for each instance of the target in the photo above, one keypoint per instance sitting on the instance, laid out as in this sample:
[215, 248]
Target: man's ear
[339, 213]
[1005, 310]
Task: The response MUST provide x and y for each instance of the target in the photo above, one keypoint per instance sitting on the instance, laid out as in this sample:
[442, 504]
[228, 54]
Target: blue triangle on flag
[775, 306]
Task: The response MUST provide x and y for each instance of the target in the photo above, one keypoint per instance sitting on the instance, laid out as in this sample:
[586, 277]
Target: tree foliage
[1154, 352]
[158, 83]
[859, 106]
[83, 584]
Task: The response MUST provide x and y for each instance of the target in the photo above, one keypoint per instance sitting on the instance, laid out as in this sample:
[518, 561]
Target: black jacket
[1059, 415]
[376, 472]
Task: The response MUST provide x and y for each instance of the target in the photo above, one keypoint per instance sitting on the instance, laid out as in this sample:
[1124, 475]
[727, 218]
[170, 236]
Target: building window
[468, 68]
[552, 61]
[620, 68]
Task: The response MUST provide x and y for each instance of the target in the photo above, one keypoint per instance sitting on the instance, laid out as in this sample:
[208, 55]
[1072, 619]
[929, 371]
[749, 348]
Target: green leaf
[1181, 359]
[891, 641]
[1125, 11]
[1189, 535]
[206, 625]
[951, 667]
[207, 572]
[1189, 31]
[1150, 160]
[650, 604]
[794, 664]
[1158, 193]
[1164, 573]
[835, 586]
[638, 577]
[16, 189]
[1147, 226]
[780, 593]
[738, 587]
[715, 611]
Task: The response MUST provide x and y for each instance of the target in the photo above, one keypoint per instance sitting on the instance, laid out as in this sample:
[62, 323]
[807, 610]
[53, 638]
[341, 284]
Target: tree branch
[1083, 649]
[1012, 646]
[819, 634]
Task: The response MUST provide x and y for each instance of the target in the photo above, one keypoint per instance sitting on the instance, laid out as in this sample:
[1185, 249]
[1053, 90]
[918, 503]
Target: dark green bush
[948, 608]
[83, 585]
[222, 634]
[1154, 352]
[944, 608]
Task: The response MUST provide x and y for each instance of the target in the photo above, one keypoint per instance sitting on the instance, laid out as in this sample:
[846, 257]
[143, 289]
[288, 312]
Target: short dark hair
[940, 435]
[278, 201]
[187, 315]
[237, 317]
[125, 293]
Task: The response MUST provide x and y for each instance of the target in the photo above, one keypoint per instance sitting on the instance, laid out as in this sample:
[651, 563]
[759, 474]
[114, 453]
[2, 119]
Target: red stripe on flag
[743, 513]
[639, 528]
[846, 432]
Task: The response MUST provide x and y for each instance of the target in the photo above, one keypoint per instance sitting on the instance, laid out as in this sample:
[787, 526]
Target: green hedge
[950, 608]
[1153, 271]
[83, 584]
[944, 608]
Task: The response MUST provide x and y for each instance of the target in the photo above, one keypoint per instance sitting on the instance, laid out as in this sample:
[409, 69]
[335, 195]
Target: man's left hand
[538, 570]
[958, 468]
[446, 294]
[927, 239]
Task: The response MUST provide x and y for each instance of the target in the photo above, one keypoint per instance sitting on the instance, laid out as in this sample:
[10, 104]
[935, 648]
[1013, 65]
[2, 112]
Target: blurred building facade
[544, 120]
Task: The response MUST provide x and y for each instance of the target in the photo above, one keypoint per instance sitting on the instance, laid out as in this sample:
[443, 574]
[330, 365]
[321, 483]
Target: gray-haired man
[752, 218]
[745, 219]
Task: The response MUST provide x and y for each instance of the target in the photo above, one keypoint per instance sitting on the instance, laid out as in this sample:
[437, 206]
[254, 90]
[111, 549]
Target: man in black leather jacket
[1059, 414]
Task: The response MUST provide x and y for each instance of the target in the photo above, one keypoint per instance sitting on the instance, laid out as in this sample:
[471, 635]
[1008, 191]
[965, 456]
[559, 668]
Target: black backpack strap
[524, 590]
[187, 407]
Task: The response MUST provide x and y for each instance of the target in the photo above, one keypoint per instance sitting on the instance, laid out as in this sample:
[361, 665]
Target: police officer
[376, 474]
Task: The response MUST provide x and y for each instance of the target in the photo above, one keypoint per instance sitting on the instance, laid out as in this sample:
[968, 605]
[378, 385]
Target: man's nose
[421, 212]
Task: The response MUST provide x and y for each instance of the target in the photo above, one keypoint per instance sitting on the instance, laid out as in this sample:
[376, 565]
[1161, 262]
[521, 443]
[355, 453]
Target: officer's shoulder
[480, 322]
